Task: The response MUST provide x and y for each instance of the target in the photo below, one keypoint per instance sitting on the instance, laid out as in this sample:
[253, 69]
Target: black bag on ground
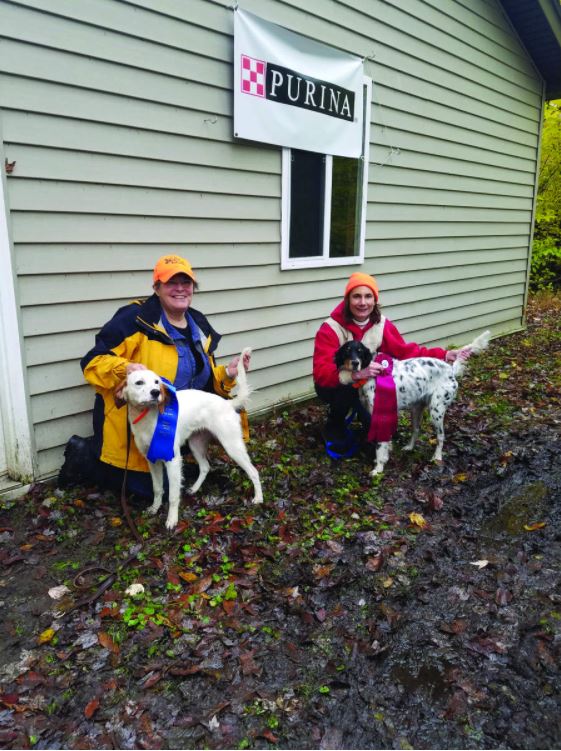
[81, 465]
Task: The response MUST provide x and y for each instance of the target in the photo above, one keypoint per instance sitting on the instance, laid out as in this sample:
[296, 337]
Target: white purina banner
[294, 92]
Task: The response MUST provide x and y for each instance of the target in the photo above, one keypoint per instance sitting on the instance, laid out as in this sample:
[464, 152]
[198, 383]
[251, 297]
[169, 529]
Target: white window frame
[324, 260]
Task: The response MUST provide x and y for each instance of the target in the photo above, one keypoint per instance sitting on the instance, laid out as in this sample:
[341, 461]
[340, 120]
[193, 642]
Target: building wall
[119, 117]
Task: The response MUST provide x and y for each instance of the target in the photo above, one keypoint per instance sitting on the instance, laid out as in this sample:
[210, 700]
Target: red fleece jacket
[393, 344]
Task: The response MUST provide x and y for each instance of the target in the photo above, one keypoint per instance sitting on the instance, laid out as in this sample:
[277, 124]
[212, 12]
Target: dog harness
[162, 446]
[383, 424]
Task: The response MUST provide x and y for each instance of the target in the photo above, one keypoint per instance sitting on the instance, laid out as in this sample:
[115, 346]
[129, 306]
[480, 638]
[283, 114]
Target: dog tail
[480, 343]
[241, 398]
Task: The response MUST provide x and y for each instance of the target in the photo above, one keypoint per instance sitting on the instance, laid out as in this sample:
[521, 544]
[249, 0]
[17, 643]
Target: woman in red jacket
[358, 317]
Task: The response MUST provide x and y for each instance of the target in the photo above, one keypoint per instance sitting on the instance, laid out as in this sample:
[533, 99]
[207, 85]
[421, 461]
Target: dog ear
[165, 397]
[366, 356]
[120, 394]
[341, 355]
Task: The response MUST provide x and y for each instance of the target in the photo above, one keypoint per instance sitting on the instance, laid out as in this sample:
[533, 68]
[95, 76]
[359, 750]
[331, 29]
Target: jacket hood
[338, 315]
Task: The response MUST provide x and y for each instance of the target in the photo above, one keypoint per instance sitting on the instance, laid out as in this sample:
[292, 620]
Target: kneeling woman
[164, 334]
[358, 317]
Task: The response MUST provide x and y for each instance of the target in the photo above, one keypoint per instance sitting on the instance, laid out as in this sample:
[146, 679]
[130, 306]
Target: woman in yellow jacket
[164, 334]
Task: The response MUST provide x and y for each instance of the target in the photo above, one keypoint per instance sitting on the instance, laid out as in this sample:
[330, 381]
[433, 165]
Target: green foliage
[545, 272]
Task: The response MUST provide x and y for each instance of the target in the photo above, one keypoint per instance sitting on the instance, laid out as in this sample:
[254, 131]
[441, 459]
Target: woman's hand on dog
[371, 371]
[232, 367]
[453, 354]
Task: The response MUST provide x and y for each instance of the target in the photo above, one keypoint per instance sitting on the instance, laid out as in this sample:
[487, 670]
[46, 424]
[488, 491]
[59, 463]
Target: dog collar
[140, 416]
[358, 384]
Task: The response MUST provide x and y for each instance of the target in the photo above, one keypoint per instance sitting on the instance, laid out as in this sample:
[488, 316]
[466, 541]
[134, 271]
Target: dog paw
[171, 522]
[153, 509]
[257, 501]
[377, 471]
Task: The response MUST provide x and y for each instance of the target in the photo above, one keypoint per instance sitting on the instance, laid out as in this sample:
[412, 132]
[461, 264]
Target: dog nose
[155, 393]
[355, 364]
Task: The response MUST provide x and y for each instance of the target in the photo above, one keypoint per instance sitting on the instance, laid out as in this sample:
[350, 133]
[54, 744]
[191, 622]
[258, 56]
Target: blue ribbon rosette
[163, 440]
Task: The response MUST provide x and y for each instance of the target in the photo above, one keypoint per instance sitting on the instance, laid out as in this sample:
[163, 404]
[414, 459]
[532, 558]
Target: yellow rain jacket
[135, 334]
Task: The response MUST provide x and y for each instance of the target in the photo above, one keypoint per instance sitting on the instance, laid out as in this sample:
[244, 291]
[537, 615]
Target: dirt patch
[422, 610]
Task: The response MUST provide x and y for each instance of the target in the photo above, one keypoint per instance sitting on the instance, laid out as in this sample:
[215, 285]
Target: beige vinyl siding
[119, 117]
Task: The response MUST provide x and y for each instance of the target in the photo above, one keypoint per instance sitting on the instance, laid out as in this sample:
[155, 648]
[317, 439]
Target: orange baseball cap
[168, 266]
[362, 280]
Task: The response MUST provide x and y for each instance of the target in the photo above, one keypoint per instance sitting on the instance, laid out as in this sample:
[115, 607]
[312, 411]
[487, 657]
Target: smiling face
[361, 303]
[175, 296]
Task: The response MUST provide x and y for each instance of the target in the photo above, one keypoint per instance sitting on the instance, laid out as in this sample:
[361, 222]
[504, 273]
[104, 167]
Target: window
[324, 204]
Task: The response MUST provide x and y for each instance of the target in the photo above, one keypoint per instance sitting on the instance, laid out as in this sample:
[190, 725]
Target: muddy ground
[422, 610]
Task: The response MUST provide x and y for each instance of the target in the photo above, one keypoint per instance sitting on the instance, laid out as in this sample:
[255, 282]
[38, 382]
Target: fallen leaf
[479, 564]
[321, 571]
[57, 592]
[202, 584]
[115, 521]
[9, 700]
[134, 589]
[461, 477]
[46, 636]
[435, 502]
[91, 708]
[535, 525]
[457, 626]
[503, 596]
[374, 563]
[188, 576]
[248, 664]
[417, 519]
[106, 641]
[269, 736]
[213, 723]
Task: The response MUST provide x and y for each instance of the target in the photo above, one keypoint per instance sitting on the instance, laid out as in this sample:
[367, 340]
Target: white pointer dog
[201, 416]
[421, 382]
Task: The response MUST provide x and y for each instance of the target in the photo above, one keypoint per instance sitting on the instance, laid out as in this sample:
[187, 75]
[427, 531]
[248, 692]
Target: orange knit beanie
[362, 280]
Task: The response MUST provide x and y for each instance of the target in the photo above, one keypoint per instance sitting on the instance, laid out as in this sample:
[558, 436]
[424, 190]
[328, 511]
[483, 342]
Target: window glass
[345, 207]
[307, 203]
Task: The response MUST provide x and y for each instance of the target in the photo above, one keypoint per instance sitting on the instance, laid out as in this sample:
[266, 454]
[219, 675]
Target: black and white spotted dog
[421, 382]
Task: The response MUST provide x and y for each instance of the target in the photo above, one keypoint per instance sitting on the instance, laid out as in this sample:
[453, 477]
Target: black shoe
[334, 431]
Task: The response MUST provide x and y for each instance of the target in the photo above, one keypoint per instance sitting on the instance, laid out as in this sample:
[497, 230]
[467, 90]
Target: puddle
[523, 508]
[429, 679]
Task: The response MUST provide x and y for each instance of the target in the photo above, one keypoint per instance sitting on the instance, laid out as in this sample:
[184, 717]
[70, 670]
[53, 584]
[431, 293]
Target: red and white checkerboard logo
[253, 76]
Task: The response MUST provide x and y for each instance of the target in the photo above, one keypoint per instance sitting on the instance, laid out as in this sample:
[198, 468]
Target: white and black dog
[420, 382]
[200, 416]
